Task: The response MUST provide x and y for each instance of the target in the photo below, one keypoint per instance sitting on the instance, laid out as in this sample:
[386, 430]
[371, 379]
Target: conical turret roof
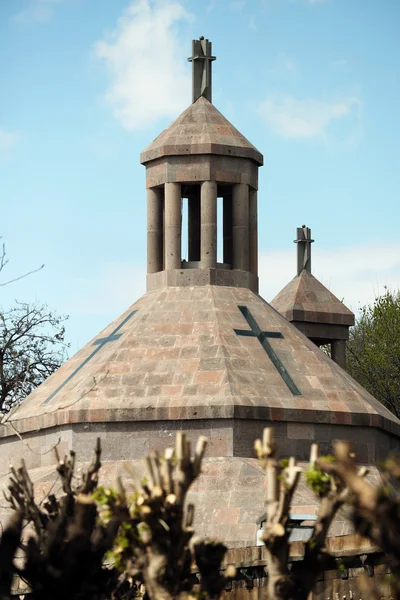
[201, 129]
[305, 298]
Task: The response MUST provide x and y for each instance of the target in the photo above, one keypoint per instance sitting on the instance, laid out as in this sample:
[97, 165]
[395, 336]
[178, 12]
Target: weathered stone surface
[208, 237]
[155, 232]
[179, 358]
[172, 237]
[196, 168]
[201, 129]
[227, 436]
[229, 496]
[189, 277]
[306, 299]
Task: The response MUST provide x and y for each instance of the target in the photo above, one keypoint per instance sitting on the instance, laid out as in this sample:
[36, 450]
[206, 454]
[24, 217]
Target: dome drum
[193, 169]
[237, 237]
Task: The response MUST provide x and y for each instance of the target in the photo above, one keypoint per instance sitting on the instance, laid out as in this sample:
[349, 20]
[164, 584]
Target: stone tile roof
[201, 129]
[178, 357]
[306, 299]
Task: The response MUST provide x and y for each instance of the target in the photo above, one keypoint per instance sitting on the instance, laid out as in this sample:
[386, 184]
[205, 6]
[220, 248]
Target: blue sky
[87, 84]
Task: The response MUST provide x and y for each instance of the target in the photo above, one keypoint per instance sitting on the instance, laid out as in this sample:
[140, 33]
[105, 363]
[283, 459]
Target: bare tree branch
[21, 276]
[3, 259]
[32, 347]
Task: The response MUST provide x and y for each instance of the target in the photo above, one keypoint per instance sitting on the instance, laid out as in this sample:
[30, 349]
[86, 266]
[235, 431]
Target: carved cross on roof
[201, 60]
[303, 242]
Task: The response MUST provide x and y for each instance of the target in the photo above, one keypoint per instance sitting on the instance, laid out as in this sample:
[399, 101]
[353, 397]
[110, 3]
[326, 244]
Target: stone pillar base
[190, 277]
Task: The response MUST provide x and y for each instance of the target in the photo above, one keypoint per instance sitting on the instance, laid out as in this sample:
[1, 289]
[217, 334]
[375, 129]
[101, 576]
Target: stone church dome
[201, 351]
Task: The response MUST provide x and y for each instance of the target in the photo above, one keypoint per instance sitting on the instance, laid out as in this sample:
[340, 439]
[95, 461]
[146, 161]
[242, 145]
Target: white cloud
[284, 64]
[36, 10]
[145, 58]
[292, 118]
[211, 6]
[288, 63]
[310, 2]
[340, 62]
[356, 274]
[93, 302]
[111, 289]
[252, 23]
[238, 4]
[8, 139]
[353, 273]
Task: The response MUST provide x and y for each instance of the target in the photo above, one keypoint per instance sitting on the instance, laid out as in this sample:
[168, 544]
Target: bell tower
[201, 157]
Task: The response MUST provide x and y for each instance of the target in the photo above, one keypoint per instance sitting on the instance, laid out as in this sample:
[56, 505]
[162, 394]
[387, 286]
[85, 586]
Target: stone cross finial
[201, 60]
[303, 242]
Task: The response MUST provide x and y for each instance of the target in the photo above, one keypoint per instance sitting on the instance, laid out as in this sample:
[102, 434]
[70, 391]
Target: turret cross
[201, 60]
[303, 242]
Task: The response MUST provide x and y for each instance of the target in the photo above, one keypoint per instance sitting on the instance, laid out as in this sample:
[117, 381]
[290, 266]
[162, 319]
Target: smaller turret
[311, 307]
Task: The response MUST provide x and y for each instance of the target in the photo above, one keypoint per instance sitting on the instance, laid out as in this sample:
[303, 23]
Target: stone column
[338, 352]
[253, 233]
[154, 230]
[194, 226]
[208, 208]
[240, 214]
[172, 246]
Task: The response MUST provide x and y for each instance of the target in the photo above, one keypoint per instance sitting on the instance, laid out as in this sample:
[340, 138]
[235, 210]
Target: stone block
[301, 431]
[226, 516]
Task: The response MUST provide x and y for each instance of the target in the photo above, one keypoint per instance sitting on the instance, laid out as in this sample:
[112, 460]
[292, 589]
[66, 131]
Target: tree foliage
[32, 347]
[373, 350]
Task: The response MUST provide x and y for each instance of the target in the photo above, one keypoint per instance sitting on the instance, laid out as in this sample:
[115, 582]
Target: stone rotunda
[201, 351]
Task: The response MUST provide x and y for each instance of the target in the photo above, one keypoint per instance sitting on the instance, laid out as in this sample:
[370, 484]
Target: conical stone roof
[190, 355]
[305, 298]
[201, 129]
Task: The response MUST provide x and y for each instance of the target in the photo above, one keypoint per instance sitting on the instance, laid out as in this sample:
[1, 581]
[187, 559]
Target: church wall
[229, 496]
[295, 439]
[120, 441]
[227, 437]
[35, 449]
